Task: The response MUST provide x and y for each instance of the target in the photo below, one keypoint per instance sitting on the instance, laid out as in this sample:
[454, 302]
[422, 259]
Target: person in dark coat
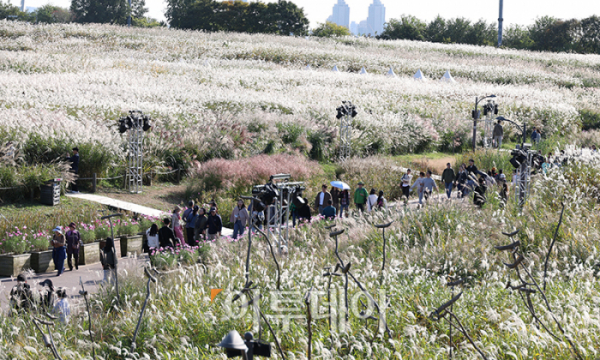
[200, 226]
[479, 194]
[73, 242]
[74, 159]
[48, 295]
[21, 297]
[304, 212]
[214, 224]
[108, 259]
[166, 236]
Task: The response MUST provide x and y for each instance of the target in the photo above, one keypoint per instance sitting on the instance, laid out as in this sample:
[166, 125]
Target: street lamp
[523, 128]
[475, 114]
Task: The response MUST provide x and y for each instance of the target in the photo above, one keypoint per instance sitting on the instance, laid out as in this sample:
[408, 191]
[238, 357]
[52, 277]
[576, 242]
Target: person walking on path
[176, 224]
[215, 225]
[108, 259]
[329, 211]
[360, 196]
[200, 227]
[190, 225]
[344, 202]
[448, 177]
[428, 186]
[166, 236]
[239, 218]
[461, 181]
[59, 252]
[498, 134]
[405, 184]
[73, 243]
[372, 200]
[322, 198]
[419, 185]
[74, 159]
[335, 196]
[152, 236]
[381, 201]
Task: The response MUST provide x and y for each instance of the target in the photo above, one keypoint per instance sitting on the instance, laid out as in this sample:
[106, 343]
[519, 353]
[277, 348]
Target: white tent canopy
[307, 67]
[363, 71]
[335, 69]
[447, 77]
[419, 76]
[206, 63]
[391, 73]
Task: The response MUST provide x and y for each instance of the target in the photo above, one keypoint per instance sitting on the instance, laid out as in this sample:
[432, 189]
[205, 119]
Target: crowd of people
[47, 299]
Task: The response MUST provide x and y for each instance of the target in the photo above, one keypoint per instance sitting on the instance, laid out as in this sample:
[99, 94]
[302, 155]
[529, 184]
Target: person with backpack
[21, 297]
[59, 251]
[448, 177]
[239, 218]
[190, 225]
[73, 243]
[200, 226]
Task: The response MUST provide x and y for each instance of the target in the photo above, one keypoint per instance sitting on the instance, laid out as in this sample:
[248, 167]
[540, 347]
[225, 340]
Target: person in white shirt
[372, 200]
[405, 183]
[152, 236]
[322, 199]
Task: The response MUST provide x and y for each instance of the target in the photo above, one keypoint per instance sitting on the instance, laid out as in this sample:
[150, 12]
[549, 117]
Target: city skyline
[317, 11]
[340, 14]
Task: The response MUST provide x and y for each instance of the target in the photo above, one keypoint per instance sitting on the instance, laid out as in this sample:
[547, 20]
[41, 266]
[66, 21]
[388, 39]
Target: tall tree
[436, 30]
[51, 14]
[590, 37]
[407, 27]
[106, 11]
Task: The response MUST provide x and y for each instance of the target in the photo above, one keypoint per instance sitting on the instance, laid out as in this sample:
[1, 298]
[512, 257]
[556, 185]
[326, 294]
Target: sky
[522, 12]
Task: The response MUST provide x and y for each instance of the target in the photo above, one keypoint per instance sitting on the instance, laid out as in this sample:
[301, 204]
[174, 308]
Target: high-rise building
[376, 18]
[22, 5]
[341, 14]
[363, 28]
[354, 28]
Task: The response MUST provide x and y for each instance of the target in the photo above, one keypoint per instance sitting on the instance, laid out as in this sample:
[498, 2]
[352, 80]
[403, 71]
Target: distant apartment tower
[362, 28]
[341, 14]
[22, 5]
[354, 28]
[376, 18]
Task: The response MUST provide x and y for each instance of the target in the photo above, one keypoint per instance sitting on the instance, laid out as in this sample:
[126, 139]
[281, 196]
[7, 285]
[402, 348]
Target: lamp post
[500, 20]
[475, 114]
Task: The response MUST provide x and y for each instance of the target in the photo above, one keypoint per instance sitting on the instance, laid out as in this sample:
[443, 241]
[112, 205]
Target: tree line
[84, 11]
[546, 34]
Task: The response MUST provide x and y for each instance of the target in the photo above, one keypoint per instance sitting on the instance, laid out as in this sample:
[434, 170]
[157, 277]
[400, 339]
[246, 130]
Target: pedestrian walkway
[123, 205]
[135, 208]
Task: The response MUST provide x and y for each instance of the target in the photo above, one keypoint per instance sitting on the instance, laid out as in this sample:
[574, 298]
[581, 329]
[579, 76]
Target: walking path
[135, 208]
[143, 210]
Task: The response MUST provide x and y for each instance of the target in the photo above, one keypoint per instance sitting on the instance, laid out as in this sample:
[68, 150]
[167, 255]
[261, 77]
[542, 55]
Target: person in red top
[73, 242]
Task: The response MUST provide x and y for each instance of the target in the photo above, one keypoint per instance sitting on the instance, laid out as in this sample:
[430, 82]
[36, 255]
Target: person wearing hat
[59, 252]
[74, 159]
[73, 242]
[21, 298]
[360, 196]
[239, 218]
[214, 224]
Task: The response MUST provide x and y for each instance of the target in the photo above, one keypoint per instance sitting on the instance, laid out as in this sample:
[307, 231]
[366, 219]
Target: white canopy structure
[307, 67]
[419, 76]
[335, 69]
[206, 63]
[391, 73]
[447, 77]
[363, 71]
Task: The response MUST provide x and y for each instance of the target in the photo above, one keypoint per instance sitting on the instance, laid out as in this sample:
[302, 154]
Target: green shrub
[590, 119]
